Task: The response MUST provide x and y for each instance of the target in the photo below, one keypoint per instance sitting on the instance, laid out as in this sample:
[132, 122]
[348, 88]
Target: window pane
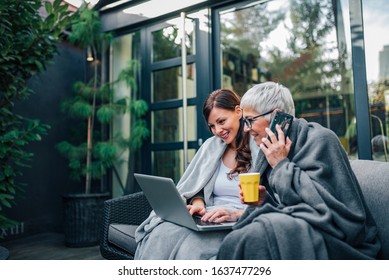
[167, 41]
[304, 45]
[167, 83]
[167, 125]
[376, 23]
[170, 163]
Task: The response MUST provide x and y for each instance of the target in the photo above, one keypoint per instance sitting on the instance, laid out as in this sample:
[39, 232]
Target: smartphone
[284, 120]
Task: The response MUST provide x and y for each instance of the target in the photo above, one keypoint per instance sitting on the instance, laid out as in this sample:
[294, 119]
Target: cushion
[123, 236]
[373, 176]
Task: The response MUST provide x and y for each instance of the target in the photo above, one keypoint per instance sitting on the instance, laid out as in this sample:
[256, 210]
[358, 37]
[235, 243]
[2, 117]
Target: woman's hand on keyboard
[220, 215]
[197, 207]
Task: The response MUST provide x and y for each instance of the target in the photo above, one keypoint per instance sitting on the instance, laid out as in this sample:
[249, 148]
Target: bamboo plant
[95, 103]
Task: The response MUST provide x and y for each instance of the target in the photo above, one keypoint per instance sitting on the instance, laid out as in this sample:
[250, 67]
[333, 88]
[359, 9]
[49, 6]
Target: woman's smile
[224, 136]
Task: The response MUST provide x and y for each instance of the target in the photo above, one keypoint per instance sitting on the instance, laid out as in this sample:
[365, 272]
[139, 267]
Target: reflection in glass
[167, 42]
[167, 125]
[124, 49]
[170, 163]
[167, 83]
[304, 45]
[376, 31]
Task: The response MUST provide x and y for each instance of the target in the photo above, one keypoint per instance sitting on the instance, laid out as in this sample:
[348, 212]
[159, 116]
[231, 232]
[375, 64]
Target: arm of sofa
[130, 209]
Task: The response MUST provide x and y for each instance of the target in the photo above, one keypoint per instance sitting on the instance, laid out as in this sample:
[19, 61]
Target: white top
[226, 191]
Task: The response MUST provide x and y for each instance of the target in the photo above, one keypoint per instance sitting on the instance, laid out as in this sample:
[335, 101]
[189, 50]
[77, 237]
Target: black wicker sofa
[120, 218]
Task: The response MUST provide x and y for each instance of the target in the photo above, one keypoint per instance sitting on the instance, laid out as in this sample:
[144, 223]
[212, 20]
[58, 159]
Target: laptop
[168, 204]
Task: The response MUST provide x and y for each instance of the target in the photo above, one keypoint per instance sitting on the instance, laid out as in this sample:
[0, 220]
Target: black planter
[82, 218]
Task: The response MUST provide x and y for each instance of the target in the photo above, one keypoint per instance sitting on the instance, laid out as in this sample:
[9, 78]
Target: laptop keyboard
[199, 222]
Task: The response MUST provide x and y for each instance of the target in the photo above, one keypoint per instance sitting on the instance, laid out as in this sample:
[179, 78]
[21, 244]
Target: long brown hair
[228, 100]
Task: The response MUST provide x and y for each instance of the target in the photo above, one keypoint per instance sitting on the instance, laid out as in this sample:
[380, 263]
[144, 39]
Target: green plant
[93, 153]
[28, 42]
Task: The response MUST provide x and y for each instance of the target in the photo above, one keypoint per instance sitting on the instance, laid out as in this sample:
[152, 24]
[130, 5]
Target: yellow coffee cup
[249, 183]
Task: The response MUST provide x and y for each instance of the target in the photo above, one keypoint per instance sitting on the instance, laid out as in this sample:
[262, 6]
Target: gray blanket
[321, 213]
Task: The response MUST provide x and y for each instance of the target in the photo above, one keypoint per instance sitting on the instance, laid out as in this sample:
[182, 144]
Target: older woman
[314, 207]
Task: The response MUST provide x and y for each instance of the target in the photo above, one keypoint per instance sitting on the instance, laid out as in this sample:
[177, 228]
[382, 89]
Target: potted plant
[95, 151]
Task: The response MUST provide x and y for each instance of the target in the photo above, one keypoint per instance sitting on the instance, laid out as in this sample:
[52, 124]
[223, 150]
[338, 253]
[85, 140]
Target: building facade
[329, 53]
[384, 63]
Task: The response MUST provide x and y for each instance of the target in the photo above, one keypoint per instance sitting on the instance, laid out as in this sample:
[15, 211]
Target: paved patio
[48, 246]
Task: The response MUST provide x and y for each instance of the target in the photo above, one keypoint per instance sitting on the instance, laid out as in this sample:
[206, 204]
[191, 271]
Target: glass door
[376, 34]
[172, 67]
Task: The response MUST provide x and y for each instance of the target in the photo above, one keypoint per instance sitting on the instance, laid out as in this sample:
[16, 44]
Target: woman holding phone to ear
[315, 208]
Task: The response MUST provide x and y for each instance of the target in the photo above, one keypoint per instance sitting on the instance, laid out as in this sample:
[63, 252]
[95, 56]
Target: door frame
[203, 69]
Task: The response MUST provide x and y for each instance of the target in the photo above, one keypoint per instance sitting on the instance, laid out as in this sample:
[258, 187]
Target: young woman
[209, 185]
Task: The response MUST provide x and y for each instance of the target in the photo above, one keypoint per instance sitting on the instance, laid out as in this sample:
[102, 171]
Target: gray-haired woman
[314, 208]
